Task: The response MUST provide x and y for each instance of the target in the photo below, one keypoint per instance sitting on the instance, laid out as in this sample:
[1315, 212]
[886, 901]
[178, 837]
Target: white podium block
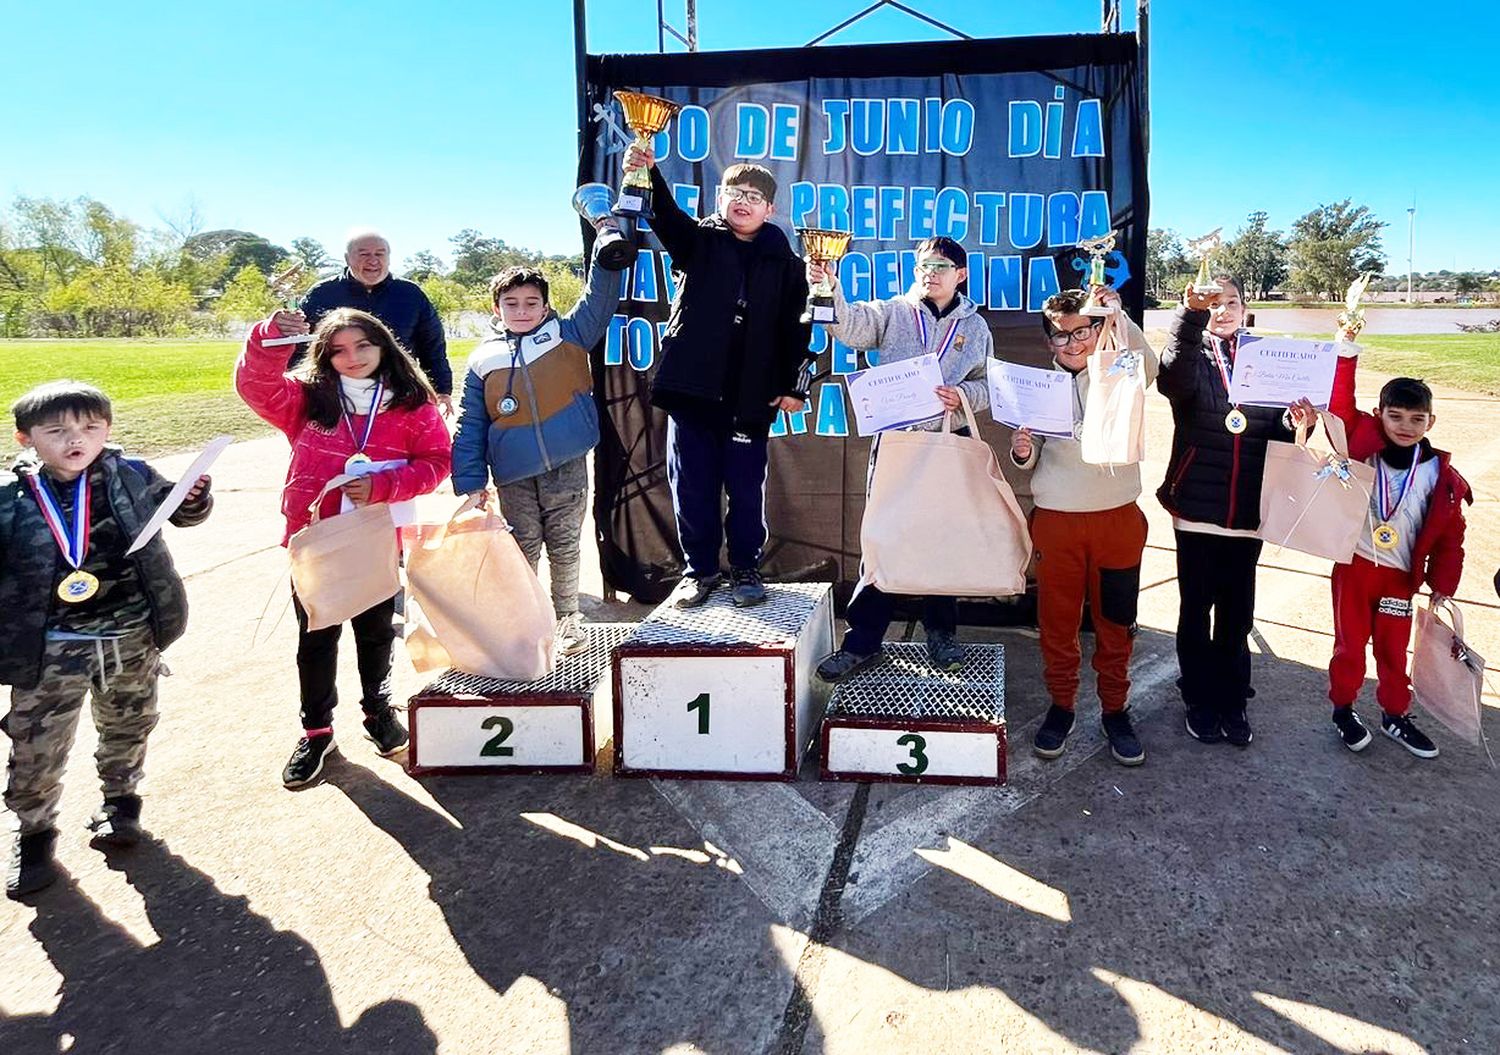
[464, 723]
[722, 692]
[902, 721]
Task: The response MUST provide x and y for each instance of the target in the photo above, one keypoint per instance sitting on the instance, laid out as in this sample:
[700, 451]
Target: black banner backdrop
[1017, 148]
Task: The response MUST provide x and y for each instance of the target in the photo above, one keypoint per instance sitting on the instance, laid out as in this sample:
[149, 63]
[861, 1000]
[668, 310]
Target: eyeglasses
[749, 197]
[1063, 338]
[936, 267]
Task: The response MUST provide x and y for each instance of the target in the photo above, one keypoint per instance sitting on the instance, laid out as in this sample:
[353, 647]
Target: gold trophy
[1097, 249]
[1352, 318]
[646, 115]
[822, 247]
[1203, 248]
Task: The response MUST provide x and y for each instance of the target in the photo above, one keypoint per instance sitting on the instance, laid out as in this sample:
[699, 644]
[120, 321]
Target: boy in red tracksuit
[1415, 536]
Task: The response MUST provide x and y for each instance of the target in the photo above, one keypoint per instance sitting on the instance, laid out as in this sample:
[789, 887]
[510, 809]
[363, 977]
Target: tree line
[1324, 251]
[75, 268]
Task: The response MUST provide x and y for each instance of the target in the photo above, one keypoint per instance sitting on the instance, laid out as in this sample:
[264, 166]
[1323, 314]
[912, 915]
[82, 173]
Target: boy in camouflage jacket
[83, 618]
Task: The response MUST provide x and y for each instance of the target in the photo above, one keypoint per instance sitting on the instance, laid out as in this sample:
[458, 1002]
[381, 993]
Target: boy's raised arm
[679, 233]
[861, 323]
[1184, 345]
[589, 318]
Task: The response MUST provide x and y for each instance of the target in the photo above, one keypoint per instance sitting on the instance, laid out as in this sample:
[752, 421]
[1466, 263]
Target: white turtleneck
[358, 392]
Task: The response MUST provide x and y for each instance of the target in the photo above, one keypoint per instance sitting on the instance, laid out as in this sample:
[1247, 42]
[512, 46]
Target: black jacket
[399, 304]
[694, 366]
[30, 561]
[1214, 476]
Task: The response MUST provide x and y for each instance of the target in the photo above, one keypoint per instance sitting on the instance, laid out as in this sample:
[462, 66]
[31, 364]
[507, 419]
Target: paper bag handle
[1450, 606]
[1333, 428]
[968, 415]
[338, 481]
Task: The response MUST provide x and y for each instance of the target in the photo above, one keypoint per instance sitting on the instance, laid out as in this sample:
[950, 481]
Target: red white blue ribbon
[361, 441]
[72, 539]
[948, 338]
[1383, 487]
[1219, 362]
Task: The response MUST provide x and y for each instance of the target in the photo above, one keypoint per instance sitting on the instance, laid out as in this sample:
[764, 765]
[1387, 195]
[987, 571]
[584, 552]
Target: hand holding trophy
[823, 248]
[1352, 318]
[1097, 249]
[290, 321]
[646, 115]
[614, 243]
[1203, 248]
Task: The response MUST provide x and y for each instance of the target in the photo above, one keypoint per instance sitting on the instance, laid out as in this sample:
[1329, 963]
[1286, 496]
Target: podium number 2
[701, 706]
[918, 746]
[492, 748]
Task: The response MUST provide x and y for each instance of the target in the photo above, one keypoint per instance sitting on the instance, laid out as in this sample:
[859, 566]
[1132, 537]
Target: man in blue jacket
[367, 284]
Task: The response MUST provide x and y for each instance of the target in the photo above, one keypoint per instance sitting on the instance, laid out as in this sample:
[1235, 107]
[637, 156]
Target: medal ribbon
[1219, 362]
[948, 338]
[74, 545]
[1383, 487]
[361, 441]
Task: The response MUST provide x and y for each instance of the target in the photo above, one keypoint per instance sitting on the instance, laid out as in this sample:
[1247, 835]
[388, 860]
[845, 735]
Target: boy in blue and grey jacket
[529, 418]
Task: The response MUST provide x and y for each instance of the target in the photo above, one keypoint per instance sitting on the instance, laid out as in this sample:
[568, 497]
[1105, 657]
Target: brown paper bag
[940, 518]
[345, 564]
[1315, 501]
[474, 603]
[1447, 676]
[1114, 416]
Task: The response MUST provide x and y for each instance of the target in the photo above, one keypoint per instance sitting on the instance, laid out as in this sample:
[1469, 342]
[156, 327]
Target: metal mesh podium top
[904, 685]
[578, 674]
[717, 621]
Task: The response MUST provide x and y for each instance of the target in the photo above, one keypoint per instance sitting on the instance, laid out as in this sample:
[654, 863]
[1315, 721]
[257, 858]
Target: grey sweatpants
[549, 509]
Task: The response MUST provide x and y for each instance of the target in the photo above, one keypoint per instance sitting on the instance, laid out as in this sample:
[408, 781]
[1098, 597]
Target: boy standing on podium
[733, 356]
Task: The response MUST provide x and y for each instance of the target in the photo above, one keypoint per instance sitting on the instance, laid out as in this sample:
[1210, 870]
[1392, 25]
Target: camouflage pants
[42, 721]
[550, 509]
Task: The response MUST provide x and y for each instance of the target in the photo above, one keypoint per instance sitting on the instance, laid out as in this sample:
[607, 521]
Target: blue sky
[306, 119]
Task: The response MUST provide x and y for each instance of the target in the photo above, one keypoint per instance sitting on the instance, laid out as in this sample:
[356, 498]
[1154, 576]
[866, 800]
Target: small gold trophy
[646, 115]
[1352, 318]
[1203, 248]
[822, 247]
[1097, 249]
[286, 285]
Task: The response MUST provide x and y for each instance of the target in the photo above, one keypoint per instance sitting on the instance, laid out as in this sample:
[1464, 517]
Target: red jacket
[319, 453]
[1437, 559]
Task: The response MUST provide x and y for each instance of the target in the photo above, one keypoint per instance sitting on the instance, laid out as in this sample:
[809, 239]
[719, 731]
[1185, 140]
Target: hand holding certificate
[1278, 371]
[1031, 398]
[895, 395]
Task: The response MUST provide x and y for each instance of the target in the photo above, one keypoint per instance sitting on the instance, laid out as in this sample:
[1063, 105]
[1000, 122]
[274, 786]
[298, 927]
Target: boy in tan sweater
[1089, 536]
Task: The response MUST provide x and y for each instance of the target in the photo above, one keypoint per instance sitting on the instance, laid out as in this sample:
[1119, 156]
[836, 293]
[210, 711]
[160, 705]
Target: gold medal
[1236, 422]
[78, 587]
[356, 459]
[1385, 536]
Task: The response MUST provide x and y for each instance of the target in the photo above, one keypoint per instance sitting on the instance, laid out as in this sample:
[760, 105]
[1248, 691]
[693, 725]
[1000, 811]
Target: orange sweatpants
[1097, 557]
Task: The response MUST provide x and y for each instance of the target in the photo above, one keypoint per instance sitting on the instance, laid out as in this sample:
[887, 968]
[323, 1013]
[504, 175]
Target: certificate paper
[179, 491]
[894, 395]
[1278, 371]
[1027, 397]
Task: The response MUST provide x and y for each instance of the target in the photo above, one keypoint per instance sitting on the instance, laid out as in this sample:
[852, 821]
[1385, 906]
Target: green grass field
[173, 395]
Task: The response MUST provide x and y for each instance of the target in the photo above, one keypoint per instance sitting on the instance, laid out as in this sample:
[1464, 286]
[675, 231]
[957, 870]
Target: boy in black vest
[733, 356]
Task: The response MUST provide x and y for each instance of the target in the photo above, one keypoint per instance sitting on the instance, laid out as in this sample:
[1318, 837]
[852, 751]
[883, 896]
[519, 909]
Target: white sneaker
[571, 638]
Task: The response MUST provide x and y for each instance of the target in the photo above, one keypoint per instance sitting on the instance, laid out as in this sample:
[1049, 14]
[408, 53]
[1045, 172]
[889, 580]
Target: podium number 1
[492, 748]
[701, 706]
[918, 747]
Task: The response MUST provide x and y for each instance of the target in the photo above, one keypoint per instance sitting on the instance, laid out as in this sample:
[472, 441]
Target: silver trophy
[614, 245]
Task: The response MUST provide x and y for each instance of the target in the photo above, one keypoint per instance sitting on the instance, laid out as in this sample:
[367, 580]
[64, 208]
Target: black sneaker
[386, 730]
[943, 650]
[1405, 732]
[307, 760]
[748, 587]
[31, 864]
[1355, 736]
[695, 591]
[843, 663]
[1203, 725]
[1052, 735]
[118, 822]
[1236, 726]
[1124, 746]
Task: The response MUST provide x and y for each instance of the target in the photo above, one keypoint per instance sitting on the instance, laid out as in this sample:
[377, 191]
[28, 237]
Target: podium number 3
[918, 747]
[492, 748]
[701, 706]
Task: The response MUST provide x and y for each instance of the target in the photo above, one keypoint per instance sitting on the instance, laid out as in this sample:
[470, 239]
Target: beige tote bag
[1447, 676]
[345, 564]
[1114, 416]
[473, 601]
[940, 518]
[1315, 501]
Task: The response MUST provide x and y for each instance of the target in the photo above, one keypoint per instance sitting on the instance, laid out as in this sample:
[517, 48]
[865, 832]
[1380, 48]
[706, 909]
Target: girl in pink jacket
[358, 401]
